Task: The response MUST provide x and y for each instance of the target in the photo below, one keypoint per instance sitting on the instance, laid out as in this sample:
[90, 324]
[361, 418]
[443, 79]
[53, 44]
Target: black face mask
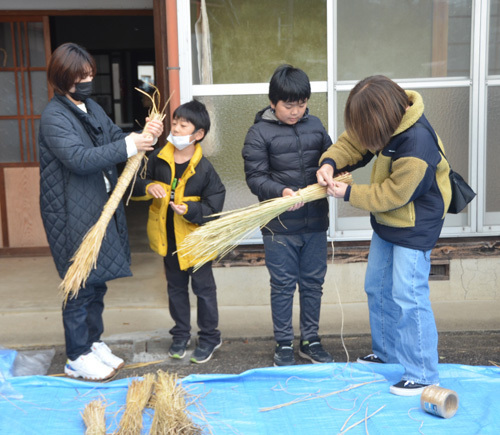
[83, 90]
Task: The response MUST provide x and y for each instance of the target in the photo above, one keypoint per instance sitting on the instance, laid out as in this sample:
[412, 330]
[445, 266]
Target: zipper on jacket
[302, 168]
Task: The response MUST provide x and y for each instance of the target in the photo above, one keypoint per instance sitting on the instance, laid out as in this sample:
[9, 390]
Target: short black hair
[289, 84]
[196, 113]
[68, 64]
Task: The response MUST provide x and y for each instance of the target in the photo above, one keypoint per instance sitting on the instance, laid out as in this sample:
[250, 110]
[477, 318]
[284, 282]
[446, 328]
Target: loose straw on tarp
[218, 237]
[85, 258]
[171, 416]
[138, 395]
[94, 418]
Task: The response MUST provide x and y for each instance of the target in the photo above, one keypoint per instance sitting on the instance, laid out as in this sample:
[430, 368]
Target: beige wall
[22, 190]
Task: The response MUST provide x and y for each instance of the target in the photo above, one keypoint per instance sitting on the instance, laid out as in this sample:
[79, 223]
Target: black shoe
[204, 352]
[283, 355]
[315, 352]
[178, 348]
[408, 388]
[368, 359]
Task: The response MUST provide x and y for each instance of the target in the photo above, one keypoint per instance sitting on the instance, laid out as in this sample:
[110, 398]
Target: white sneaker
[88, 367]
[103, 352]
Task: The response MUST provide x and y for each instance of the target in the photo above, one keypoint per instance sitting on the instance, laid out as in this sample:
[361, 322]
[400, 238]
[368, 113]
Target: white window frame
[462, 225]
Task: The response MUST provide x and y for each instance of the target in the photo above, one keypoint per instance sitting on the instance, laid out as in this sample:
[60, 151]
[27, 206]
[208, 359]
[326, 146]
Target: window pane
[249, 39]
[494, 45]
[492, 202]
[39, 90]
[403, 39]
[452, 126]
[9, 142]
[6, 57]
[235, 115]
[36, 44]
[8, 94]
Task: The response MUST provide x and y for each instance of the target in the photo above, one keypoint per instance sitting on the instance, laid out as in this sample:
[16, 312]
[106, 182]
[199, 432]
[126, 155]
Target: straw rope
[85, 258]
[218, 237]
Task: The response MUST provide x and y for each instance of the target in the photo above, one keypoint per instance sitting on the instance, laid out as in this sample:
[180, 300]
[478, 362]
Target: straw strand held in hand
[218, 237]
[85, 258]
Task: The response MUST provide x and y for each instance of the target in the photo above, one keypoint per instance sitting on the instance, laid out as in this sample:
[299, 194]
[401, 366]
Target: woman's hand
[324, 175]
[338, 190]
[178, 208]
[143, 142]
[289, 192]
[153, 127]
[156, 190]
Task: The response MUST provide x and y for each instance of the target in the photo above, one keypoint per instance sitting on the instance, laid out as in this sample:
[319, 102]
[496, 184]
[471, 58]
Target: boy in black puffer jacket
[281, 153]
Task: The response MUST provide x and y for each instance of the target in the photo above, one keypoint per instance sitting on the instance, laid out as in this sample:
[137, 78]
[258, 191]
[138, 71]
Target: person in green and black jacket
[408, 197]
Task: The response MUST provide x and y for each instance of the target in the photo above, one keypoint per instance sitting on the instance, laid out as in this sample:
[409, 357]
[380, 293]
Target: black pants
[203, 285]
[82, 319]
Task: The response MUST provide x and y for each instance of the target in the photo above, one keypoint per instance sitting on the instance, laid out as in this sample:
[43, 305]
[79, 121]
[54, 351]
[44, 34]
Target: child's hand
[289, 192]
[156, 191]
[178, 208]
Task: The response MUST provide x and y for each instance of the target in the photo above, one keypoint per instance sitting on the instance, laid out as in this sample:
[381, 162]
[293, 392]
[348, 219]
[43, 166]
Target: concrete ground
[238, 355]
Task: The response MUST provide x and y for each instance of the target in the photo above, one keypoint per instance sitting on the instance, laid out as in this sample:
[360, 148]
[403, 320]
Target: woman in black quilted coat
[79, 149]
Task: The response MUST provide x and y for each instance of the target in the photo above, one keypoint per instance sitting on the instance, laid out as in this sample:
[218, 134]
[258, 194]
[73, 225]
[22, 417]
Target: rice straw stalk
[94, 418]
[85, 258]
[138, 395]
[218, 237]
[171, 416]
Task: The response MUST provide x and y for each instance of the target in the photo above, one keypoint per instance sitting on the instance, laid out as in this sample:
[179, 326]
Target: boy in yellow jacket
[185, 189]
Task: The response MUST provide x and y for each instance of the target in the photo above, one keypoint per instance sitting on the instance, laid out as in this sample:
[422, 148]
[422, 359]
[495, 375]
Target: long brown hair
[374, 110]
[68, 64]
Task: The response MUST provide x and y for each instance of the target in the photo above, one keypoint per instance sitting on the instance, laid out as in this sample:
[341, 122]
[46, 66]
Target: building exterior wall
[464, 109]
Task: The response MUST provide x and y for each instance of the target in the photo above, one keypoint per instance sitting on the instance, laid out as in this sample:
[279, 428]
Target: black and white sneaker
[315, 352]
[369, 359]
[408, 388]
[204, 352]
[178, 348]
[283, 355]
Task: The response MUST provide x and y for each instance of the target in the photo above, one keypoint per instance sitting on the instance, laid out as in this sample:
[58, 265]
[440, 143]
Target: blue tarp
[234, 404]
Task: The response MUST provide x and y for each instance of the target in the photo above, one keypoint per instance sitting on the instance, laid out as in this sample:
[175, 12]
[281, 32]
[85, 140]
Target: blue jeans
[401, 318]
[82, 319]
[291, 260]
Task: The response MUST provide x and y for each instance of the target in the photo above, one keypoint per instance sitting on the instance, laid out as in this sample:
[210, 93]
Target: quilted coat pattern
[74, 156]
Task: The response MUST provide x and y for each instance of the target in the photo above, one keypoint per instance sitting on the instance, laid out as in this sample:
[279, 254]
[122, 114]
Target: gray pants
[291, 260]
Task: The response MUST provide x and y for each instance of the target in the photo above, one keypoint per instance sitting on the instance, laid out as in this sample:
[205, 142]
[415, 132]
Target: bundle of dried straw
[94, 418]
[220, 236]
[138, 395]
[171, 416]
[85, 258]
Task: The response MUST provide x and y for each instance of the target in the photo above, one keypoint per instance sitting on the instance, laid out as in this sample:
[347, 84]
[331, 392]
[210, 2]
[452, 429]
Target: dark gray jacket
[279, 155]
[76, 149]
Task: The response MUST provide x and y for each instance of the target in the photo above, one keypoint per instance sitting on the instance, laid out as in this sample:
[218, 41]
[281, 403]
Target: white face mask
[180, 142]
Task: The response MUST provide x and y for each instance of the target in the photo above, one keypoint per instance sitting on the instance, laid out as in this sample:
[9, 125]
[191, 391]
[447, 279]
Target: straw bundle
[85, 258]
[220, 236]
[94, 418]
[171, 416]
[138, 395]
